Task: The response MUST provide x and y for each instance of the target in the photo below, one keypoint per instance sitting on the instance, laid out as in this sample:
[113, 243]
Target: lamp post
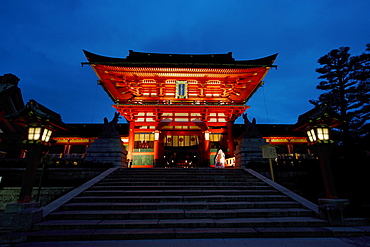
[322, 144]
[37, 143]
[317, 124]
[40, 124]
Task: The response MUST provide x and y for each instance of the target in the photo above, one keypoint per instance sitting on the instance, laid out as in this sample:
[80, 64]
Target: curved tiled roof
[180, 59]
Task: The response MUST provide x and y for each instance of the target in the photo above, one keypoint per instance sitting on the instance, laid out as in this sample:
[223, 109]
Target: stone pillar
[332, 210]
[108, 148]
[21, 217]
[248, 149]
[249, 145]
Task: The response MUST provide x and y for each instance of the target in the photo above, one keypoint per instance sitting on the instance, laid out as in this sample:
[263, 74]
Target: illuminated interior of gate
[180, 107]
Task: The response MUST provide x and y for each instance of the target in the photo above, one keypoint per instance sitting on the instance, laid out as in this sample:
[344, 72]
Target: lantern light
[156, 135]
[206, 135]
[39, 133]
[34, 133]
[318, 134]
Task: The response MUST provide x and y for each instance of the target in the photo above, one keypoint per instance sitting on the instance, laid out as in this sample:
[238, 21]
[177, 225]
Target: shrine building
[180, 108]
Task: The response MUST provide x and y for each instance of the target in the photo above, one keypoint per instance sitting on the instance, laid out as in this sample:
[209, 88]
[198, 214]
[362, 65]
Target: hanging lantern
[319, 134]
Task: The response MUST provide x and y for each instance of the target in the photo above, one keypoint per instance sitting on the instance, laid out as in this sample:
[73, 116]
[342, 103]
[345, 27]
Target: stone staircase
[179, 203]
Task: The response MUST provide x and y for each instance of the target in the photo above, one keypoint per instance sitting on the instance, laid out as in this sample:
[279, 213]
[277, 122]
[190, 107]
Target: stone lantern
[40, 123]
[317, 124]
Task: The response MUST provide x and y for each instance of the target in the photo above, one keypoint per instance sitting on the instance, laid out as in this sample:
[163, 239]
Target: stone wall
[64, 177]
[56, 182]
[47, 194]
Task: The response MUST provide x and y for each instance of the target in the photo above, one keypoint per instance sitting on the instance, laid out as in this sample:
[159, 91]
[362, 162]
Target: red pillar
[290, 148]
[156, 151]
[230, 138]
[131, 141]
[206, 151]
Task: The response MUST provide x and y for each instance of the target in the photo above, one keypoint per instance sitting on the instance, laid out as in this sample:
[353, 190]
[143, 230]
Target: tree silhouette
[345, 79]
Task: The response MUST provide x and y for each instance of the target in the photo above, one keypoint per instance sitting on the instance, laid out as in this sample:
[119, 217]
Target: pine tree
[345, 79]
[361, 116]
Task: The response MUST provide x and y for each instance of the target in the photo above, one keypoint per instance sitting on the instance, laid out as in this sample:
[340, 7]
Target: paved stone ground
[234, 242]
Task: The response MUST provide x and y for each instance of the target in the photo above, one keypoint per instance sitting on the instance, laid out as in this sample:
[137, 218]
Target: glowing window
[313, 136]
[34, 133]
[148, 81]
[144, 137]
[213, 82]
[46, 135]
[181, 119]
[323, 133]
[215, 137]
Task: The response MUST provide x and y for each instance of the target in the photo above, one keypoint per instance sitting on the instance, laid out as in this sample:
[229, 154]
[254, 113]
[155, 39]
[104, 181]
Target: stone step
[208, 198]
[181, 177]
[181, 203]
[194, 192]
[174, 182]
[180, 223]
[180, 187]
[187, 233]
[177, 205]
[166, 171]
[178, 214]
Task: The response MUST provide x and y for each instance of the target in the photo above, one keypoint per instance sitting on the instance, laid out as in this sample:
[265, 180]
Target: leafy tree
[345, 79]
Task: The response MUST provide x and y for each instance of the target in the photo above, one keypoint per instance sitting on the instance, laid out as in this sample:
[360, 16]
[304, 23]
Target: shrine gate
[180, 107]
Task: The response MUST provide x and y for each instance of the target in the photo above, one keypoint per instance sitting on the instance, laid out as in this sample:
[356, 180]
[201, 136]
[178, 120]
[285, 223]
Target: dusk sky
[41, 43]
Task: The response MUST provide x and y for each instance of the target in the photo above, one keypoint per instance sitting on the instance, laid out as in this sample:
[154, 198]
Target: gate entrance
[181, 157]
[181, 151]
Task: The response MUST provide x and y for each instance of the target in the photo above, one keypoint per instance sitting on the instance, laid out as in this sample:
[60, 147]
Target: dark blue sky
[41, 42]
